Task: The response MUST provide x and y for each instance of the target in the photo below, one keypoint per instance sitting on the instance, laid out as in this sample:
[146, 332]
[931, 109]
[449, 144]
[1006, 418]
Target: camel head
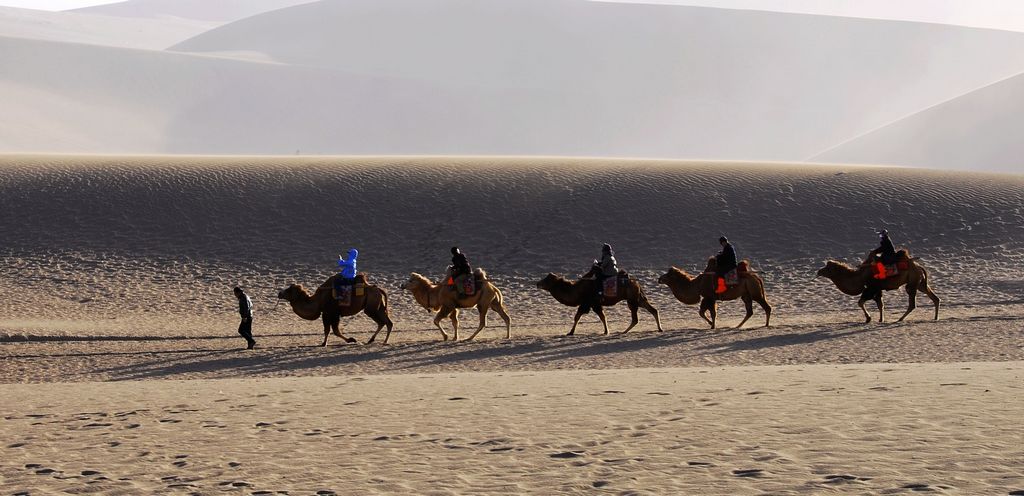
[415, 281]
[548, 282]
[832, 268]
[672, 274]
[292, 293]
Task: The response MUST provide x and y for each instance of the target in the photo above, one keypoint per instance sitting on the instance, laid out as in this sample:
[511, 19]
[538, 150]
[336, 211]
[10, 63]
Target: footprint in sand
[568, 454]
[749, 472]
[1019, 492]
[841, 478]
[700, 464]
[89, 473]
[918, 487]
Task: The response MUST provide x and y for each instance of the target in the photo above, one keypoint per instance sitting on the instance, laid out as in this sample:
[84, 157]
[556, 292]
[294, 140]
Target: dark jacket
[608, 265]
[460, 265]
[726, 259]
[886, 250]
[244, 306]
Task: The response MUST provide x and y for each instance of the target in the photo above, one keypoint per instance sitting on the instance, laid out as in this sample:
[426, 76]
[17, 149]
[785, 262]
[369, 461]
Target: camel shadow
[793, 338]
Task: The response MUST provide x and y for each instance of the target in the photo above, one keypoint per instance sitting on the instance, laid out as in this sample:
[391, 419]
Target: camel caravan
[724, 278]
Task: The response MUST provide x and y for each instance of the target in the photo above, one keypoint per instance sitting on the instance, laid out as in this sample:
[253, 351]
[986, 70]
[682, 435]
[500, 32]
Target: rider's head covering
[353, 253]
[606, 247]
[237, 290]
[455, 250]
[883, 233]
[723, 239]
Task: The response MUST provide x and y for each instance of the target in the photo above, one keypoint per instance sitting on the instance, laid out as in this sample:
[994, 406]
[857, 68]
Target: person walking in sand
[245, 310]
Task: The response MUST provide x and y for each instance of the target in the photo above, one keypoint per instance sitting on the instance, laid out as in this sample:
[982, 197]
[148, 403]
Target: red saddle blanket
[467, 284]
[885, 271]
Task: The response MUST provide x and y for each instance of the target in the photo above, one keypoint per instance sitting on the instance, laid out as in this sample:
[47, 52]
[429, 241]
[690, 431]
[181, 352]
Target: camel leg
[600, 314]
[580, 312]
[633, 306]
[711, 305]
[327, 329]
[500, 308]
[455, 324]
[767, 310]
[912, 302]
[703, 312]
[860, 303]
[881, 307]
[654, 311]
[935, 299]
[336, 325]
[382, 319]
[483, 321]
[748, 304]
[437, 323]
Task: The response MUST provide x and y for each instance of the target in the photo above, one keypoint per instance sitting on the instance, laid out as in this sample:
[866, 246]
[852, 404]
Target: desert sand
[855, 429]
[121, 371]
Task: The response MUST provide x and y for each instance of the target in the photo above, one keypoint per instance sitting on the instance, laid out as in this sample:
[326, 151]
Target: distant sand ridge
[530, 77]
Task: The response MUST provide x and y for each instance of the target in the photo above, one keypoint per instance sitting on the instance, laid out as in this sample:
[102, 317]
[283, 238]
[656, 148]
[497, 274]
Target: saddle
[466, 284]
[883, 271]
[345, 288]
[612, 284]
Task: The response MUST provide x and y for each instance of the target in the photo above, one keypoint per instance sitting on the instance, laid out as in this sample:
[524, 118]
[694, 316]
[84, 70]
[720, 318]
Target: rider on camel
[725, 262]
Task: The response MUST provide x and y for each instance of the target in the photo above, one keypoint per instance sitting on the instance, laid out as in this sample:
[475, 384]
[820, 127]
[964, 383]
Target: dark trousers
[245, 329]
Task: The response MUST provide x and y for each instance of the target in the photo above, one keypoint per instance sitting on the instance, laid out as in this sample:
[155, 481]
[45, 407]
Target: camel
[583, 294]
[701, 289]
[854, 282]
[447, 303]
[321, 304]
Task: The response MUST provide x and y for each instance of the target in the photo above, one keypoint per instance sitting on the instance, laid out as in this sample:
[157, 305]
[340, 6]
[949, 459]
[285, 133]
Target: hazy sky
[997, 14]
[53, 4]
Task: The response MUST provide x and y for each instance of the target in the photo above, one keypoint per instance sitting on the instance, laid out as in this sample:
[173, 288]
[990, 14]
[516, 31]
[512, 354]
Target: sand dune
[74, 27]
[149, 246]
[978, 127]
[204, 10]
[633, 80]
[642, 80]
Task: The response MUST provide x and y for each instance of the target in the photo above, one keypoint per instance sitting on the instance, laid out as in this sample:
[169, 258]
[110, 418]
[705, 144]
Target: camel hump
[480, 274]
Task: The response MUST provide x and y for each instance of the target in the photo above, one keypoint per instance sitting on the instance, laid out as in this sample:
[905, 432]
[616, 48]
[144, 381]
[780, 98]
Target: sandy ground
[115, 271]
[826, 429]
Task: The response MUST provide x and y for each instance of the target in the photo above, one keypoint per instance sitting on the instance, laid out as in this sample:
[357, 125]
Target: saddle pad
[468, 286]
[732, 278]
[611, 287]
[343, 295]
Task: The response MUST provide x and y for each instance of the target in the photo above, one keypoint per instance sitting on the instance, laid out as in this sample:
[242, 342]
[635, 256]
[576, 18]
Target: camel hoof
[351, 340]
